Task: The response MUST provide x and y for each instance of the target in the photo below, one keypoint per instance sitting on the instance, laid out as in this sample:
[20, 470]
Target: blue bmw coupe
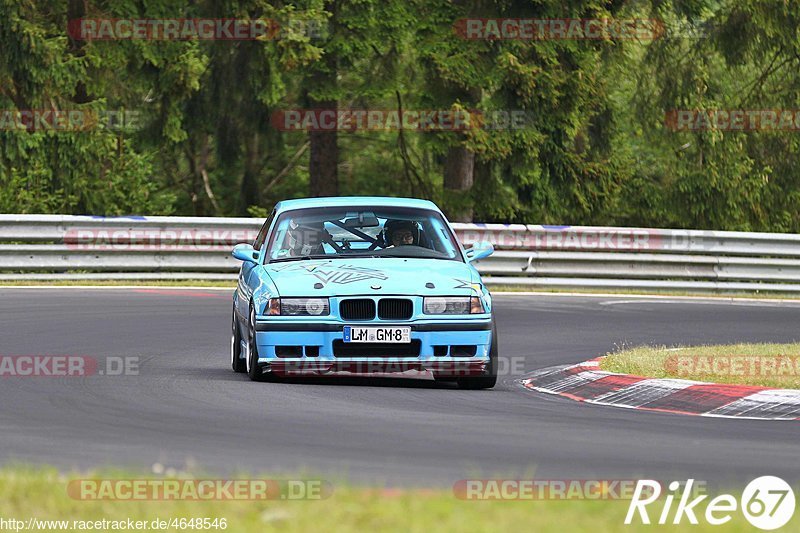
[362, 285]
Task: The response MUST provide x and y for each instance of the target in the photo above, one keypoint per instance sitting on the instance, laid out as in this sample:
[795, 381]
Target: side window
[262, 235]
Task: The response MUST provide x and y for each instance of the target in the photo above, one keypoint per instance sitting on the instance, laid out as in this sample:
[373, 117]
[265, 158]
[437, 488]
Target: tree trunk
[323, 165]
[323, 159]
[76, 9]
[459, 168]
[249, 194]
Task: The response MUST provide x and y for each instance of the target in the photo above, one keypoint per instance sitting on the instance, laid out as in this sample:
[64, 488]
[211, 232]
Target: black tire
[489, 378]
[238, 363]
[254, 370]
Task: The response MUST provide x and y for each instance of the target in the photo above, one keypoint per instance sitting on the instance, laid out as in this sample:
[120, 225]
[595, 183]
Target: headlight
[452, 305]
[304, 306]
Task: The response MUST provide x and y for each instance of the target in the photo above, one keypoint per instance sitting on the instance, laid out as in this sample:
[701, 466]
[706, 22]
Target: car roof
[354, 201]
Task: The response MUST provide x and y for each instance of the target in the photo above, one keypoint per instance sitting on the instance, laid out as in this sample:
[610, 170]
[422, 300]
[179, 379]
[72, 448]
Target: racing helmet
[391, 227]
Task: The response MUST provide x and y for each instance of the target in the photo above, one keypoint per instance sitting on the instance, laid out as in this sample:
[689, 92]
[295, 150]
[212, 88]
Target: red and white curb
[585, 382]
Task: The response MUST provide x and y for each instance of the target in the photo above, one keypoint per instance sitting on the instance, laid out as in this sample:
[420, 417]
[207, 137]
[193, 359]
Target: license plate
[395, 335]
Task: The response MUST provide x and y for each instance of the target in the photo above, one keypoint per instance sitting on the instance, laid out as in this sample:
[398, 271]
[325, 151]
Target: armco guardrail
[80, 247]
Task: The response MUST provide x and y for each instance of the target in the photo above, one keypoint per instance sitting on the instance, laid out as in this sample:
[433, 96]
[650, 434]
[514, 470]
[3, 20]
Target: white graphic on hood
[339, 274]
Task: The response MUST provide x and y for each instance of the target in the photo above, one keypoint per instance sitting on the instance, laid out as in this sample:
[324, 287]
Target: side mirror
[245, 252]
[480, 250]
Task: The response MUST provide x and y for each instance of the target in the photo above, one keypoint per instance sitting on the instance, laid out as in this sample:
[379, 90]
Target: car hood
[346, 277]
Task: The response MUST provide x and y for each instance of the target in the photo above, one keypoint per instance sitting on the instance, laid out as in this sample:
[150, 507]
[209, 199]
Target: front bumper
[446, 347]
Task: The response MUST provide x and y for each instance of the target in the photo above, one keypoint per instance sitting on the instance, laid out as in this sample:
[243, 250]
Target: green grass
[41, 493]
[767, 365]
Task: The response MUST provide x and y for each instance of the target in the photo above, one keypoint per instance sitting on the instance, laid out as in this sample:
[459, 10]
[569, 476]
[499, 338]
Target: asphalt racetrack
[186, 407]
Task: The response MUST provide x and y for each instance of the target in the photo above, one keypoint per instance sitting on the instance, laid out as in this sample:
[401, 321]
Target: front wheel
[254, 370]
[238, 363]
[489, 377]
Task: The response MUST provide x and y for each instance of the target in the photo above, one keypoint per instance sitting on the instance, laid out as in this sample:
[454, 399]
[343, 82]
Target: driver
[401, 233]
[307, 239]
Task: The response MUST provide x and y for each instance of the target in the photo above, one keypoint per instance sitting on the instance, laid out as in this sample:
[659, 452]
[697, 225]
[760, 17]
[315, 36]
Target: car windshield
[345, 232]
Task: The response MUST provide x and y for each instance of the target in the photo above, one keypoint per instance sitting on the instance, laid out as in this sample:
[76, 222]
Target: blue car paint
[338, 278]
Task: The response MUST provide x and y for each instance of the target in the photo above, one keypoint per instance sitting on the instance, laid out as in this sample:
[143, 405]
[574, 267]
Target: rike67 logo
[767, 502]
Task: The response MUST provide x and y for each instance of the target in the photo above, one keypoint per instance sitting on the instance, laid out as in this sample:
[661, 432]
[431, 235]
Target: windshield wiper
[300, 258]
[420, 256]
